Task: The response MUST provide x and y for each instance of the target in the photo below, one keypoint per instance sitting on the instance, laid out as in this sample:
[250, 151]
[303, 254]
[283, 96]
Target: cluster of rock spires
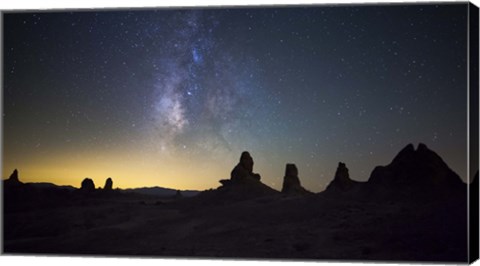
[88, 185]
[418, 173]
[244, 180]
[411, 171]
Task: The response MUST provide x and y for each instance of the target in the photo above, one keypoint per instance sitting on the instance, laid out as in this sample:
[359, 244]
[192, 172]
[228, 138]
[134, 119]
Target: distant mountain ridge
[161, 191]
[13, 181]
[46, 185]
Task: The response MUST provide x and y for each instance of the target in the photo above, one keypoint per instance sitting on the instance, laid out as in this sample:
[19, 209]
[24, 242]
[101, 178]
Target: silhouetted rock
[243, 184]
[291, 182]
[244, 169]
[14, 176]
[230, 190]
[87, 185]
[108, 184]
[341, 181]
[225, 182]
[412, 171]
[13, 181]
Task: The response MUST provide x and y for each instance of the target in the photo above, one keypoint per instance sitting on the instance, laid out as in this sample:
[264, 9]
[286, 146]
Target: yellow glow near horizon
[127, 169]
[175, 175]
[130, 168]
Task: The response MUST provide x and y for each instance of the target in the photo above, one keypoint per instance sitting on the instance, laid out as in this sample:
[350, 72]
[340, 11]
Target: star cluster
[171, 97]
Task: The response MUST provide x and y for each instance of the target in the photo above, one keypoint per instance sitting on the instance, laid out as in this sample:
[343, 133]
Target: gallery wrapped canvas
[297, 132]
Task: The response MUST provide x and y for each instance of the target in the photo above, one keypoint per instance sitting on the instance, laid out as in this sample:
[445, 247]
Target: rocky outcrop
[87, 185]
[412, 171]
[14, 176]
[108, 184]
[244, 169]
[341, 181]
[233, 190]
[291, 182]
[243, 183]
[13, 179]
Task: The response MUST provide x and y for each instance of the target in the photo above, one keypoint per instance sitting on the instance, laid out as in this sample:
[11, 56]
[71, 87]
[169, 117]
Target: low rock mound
[246, 189]
[87, 185]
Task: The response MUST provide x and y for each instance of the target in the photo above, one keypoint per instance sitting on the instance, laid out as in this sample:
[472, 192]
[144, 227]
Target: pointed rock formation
[87, 185]
[404, 155]
[291, 182]
[341, 181]
[14, 176]
[416, 170]
[13, 180]
[108, 184]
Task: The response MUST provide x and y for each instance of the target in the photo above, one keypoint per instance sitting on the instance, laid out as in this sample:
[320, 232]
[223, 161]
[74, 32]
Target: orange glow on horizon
[127, 169]
[123, 176]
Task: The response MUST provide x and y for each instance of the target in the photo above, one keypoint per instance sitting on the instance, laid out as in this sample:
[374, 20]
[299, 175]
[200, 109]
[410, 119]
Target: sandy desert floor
[320, 227]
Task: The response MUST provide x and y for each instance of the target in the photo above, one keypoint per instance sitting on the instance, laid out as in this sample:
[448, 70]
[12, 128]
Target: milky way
[200, 101]
[172, 97]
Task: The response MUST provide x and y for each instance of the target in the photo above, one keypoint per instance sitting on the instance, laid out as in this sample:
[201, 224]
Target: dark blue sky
[172, 97]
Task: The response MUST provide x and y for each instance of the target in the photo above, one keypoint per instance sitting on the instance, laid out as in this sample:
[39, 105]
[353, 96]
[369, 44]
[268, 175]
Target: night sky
[171, 97]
